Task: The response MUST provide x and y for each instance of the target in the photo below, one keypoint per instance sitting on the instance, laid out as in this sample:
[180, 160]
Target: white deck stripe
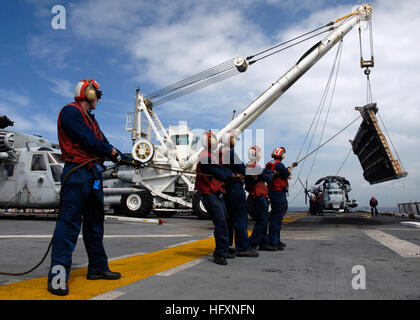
[181, 243]
[403, 248]
[307, 237]
[179, 268]
[41, 236]
[83, 265]
[111, 295]
[411, 224]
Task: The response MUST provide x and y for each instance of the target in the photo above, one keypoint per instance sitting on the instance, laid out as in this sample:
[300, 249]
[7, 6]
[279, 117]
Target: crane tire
[139, 204]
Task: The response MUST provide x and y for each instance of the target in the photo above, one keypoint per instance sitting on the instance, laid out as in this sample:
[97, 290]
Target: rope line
[222, 71]
[51, 241]
[200, 85]
[292, 45]
[336, 67]
[288, 41]
[324, 143]
[223, 67]
[342, 164]
[318, 115]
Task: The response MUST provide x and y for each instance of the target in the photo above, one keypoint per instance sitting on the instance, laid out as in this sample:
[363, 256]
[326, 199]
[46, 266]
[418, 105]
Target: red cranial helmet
[279, 153]
[87, 89]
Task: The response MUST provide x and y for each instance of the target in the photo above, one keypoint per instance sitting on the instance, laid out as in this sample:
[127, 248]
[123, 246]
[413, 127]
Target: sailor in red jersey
[255, 180]
[210, 180]
[235, 199]
[82, 197]
[277, 190]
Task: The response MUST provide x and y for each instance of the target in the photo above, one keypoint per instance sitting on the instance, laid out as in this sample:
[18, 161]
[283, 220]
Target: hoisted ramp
[372, 149]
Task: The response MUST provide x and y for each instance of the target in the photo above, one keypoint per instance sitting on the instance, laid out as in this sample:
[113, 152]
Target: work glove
[116, 158]
[136, 164]
[294, 164]
[236, 177]
[131, 162]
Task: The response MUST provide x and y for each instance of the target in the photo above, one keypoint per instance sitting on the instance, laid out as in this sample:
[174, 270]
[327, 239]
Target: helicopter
[334, 191]
[30, 170]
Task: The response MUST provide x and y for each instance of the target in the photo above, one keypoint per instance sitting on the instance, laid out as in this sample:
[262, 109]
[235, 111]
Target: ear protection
[227, 139]
[90, 92]
[87, 89]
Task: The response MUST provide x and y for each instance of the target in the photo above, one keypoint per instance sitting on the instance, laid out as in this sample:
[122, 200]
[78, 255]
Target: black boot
[267, 248]
[106, 275]
[278, 246]
[220, 260]
[231, 253]
[59, 291]
[248, 253]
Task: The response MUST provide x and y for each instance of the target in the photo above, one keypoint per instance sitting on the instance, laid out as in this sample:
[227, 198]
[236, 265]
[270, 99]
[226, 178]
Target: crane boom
[268, 97]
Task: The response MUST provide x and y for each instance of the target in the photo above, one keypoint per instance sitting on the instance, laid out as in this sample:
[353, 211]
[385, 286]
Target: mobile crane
[166, 183]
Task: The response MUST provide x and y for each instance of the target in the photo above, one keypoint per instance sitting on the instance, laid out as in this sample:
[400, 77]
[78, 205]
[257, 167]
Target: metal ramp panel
[372, 149]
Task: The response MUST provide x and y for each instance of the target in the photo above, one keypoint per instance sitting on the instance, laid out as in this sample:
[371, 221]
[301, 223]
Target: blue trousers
[82, 200]
[259, 235]
[236, 207]
[215, 206]
[278, 201]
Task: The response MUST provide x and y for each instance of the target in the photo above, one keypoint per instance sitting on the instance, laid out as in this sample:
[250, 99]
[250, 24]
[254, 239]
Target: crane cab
[184, 140]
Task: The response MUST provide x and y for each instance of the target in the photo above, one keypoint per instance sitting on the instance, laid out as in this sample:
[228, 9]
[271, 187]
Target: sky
[151, 44]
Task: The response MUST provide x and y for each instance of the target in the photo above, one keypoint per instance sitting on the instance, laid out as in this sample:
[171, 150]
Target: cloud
[35, 121]
[48, 123]
[20, 122]
[63, 88]
[13, 97]
[47, 47]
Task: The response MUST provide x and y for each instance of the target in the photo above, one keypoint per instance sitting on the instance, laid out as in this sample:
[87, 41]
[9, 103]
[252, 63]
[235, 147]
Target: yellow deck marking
[294, 217]
[132, 269]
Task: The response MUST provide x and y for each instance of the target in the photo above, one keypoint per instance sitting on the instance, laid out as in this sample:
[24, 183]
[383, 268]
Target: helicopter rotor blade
[304, 190]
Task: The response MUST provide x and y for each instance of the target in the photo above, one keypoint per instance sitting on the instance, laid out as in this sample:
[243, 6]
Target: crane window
[38, 163]
[181, 139]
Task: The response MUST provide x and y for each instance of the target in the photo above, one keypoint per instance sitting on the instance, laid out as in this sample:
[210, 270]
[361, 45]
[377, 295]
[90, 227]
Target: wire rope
[221, 72]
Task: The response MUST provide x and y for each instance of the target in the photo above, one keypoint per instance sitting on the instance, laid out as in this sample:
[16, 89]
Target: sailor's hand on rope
[115, 156]
[237, 176]
[294, 164]
[136, 164]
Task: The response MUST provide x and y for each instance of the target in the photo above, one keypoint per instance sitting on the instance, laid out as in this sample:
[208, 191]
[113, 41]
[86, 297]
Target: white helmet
[87, 89]
[227, 136]
[254, 153]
